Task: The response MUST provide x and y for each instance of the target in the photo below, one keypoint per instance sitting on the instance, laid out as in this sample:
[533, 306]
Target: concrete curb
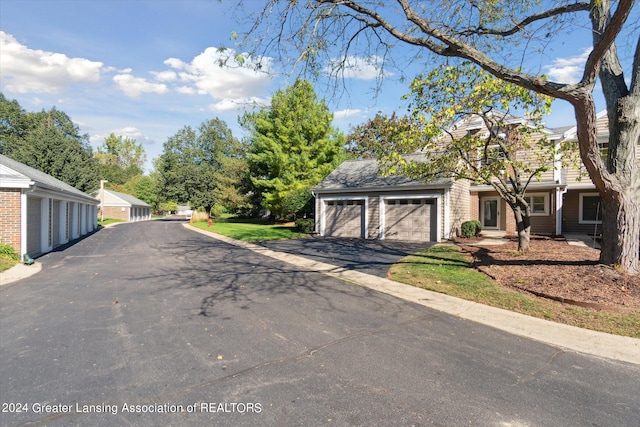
[19, 272]
[595, 343]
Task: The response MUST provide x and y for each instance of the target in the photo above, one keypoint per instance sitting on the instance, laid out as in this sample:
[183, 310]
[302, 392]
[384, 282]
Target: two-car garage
[391, 218]
[357, 201]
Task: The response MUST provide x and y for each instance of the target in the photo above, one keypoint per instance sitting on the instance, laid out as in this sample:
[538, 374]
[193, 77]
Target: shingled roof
[362, 175]
[39, 179]
[128, 198]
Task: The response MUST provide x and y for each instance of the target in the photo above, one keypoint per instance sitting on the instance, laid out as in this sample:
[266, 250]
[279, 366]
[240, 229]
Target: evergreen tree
[292, 148]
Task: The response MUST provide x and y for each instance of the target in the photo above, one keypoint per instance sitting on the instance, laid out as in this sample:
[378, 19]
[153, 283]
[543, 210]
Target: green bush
[305, 225]
[8, 251]
[470, 228]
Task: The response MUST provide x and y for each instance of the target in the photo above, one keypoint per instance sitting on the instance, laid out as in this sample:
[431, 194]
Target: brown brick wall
[116, 212]
[10, 217]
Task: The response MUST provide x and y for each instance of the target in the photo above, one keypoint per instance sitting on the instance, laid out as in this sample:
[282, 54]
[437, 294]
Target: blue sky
[145, 69]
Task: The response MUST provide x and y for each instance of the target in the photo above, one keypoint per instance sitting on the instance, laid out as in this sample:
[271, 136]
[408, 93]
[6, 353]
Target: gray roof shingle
[43, 180]
[133, 201]
[355, 175]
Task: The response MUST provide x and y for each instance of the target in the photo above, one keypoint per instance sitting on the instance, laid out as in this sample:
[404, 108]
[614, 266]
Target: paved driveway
[368, 256]
[152, 324]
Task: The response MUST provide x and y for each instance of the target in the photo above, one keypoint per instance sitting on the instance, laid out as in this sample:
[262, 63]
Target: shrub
[470, 228]
[8, 252]
[305, 225]
[199, 216]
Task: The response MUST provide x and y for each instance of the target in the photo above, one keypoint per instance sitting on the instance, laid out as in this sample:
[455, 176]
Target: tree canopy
[48, 141]
[120, 159]
[505, 38]
[199, 167]
[292, 147]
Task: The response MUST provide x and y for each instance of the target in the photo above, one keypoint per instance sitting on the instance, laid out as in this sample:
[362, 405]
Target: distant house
[123, 206]
[39, 212]
[184, 210]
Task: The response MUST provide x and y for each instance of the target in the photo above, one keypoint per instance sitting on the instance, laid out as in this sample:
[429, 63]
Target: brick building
[39, 212]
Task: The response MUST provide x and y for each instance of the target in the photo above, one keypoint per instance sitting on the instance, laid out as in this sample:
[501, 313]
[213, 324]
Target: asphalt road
[367, 256]
[152, 324]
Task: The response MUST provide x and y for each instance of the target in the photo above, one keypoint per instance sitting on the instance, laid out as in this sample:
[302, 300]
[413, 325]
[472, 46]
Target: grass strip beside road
[445, 269]
[251, 232]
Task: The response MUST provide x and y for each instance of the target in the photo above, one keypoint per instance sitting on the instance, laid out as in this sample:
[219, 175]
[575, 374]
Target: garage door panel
[409, 219]
[343, 218]
[34, 224]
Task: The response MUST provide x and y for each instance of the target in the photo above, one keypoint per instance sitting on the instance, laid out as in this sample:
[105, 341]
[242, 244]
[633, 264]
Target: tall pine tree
[292, 148]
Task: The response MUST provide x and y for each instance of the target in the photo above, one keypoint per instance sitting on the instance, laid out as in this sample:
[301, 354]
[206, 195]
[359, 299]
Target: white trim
[580, 206]
[335, 198]
[447, 213]
[23, 223]
[482, 200]
[559, 194]
[546, 203]
[437, 196]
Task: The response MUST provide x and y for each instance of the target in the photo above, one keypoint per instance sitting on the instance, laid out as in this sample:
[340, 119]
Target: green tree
[198, 166]
[509, 154]
[292, 147]
[120, 159]
[50, 142]
[502, 37]
[145, 188]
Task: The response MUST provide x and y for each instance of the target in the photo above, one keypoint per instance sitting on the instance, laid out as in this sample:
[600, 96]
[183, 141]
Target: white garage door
[343, 218]
[410, 219]
[34, 224]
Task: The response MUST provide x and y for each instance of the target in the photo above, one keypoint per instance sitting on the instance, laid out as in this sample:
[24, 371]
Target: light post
[102, 182]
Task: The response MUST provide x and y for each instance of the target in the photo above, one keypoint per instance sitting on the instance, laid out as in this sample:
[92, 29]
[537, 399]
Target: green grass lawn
[7, 262]
[446, 270]
[250, 230]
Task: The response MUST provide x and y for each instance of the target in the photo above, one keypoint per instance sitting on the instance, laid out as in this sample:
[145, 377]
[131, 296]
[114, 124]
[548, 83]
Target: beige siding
[459, 206]
[374, 218]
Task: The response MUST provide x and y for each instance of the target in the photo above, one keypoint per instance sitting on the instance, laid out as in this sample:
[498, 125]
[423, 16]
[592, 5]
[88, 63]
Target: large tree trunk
[617, 180]
[621, 230]
[523, 228]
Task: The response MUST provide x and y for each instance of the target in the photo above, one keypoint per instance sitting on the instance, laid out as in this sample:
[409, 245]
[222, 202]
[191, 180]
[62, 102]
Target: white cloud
[344, 114]
[25, 70]
[357, 67]
[135, 86]
[568, 70]
[165, 76]
[238, 104]
[218, 74]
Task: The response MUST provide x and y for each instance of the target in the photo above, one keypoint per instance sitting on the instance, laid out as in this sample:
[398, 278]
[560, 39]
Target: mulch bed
[556, 270]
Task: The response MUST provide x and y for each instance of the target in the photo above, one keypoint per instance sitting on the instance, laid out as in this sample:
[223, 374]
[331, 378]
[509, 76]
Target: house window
[590, 208]
[538, 203]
